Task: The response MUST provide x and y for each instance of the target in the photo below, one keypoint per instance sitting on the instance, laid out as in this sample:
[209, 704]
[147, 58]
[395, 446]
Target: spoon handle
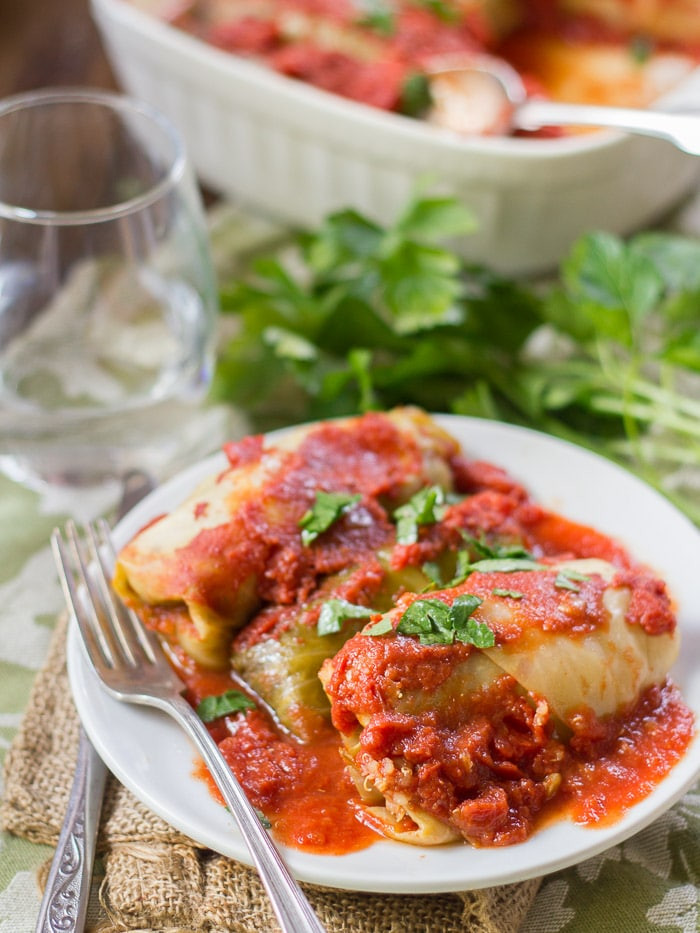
[682, 129]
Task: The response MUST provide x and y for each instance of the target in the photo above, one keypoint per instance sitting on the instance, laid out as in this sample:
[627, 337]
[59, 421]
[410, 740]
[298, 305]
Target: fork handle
[292, 909]
[65, 901]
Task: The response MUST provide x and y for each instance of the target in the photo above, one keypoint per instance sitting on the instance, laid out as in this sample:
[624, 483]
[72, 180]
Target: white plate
[152, 757]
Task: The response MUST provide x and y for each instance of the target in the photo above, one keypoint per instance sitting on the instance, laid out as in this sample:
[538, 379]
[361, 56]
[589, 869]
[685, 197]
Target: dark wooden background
[49, 42]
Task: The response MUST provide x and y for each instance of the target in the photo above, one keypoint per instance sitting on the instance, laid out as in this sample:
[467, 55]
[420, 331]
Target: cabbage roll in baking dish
[461, 711]
[201, 572]
[661, 19]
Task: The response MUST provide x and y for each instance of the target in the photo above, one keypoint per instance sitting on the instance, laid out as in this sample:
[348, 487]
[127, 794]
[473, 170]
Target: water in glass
[107, 295]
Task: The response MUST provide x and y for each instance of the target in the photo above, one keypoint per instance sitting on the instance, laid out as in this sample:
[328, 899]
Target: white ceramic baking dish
[295, 152]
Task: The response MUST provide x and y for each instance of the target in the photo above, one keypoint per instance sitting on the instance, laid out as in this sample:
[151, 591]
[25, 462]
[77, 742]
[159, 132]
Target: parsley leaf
[614, 286]
[436, 623]
[481, 547]
[430, 620]
[416, 98]
[327, 509]
[336, 611]
[505, 565]
[433, 572]
[443, 9]
[501, 591]
[378, 16]
[381, 627]
[565, 580]
[475, 633]
[263, 819]
[462, 569]
[423, 508]
[232, 701]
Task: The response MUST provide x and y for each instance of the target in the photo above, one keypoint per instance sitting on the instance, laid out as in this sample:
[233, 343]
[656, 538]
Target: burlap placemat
[155, 879]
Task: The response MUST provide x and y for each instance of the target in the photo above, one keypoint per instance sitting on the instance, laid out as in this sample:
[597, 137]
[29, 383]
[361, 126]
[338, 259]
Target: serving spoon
[485, 96]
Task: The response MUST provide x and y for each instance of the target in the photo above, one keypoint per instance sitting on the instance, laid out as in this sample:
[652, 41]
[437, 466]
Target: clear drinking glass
[107, 292]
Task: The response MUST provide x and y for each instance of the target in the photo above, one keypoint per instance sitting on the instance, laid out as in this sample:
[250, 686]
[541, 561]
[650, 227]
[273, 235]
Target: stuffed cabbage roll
[674, 20]
[239, 541]
[279, 653]
[460, 710]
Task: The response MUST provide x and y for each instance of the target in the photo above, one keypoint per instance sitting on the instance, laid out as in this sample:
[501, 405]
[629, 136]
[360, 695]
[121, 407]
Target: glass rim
[116, 102]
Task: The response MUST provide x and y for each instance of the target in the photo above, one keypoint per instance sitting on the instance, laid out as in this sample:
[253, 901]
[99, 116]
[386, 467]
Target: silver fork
[132, 666]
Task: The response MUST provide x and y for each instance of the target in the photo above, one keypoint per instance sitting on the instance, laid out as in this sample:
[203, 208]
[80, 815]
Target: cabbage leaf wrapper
[201, 572]
[449, 740]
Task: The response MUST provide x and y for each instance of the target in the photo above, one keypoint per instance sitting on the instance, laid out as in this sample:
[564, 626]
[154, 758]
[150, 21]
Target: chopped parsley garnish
[381, 21]
[233, 701]
[514, 594]
[432, 570]
[327, 509]
[566, 580]
[336, 611]
[505, 565]
[641, 49]
[462, 570]
[377, 15]
[382, 627]
[475, 633]
[444, 9]
[415, 98]
[436, 623]
[263, 819]
[494, 559]
[483, 549]
[423, 508]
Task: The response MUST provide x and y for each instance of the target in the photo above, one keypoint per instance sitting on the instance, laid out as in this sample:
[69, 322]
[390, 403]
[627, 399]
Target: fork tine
[127, 624]
[70, 572]
[87, 555]
[157, 685]
[115, 612]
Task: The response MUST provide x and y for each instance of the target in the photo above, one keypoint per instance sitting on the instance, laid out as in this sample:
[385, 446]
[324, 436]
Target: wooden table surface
[50, 42]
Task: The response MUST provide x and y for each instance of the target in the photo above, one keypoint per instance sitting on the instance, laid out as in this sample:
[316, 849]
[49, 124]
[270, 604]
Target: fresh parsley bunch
[617, 367]
[359, 316]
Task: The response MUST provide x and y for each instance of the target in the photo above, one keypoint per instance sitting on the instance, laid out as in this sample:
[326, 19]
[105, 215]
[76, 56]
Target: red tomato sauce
[521, 776]
[512, 757]
[650, 605]
[624, 766]
[541, 602]
[351, 51]
[551, 534]
[302, 789]
[262, 542]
